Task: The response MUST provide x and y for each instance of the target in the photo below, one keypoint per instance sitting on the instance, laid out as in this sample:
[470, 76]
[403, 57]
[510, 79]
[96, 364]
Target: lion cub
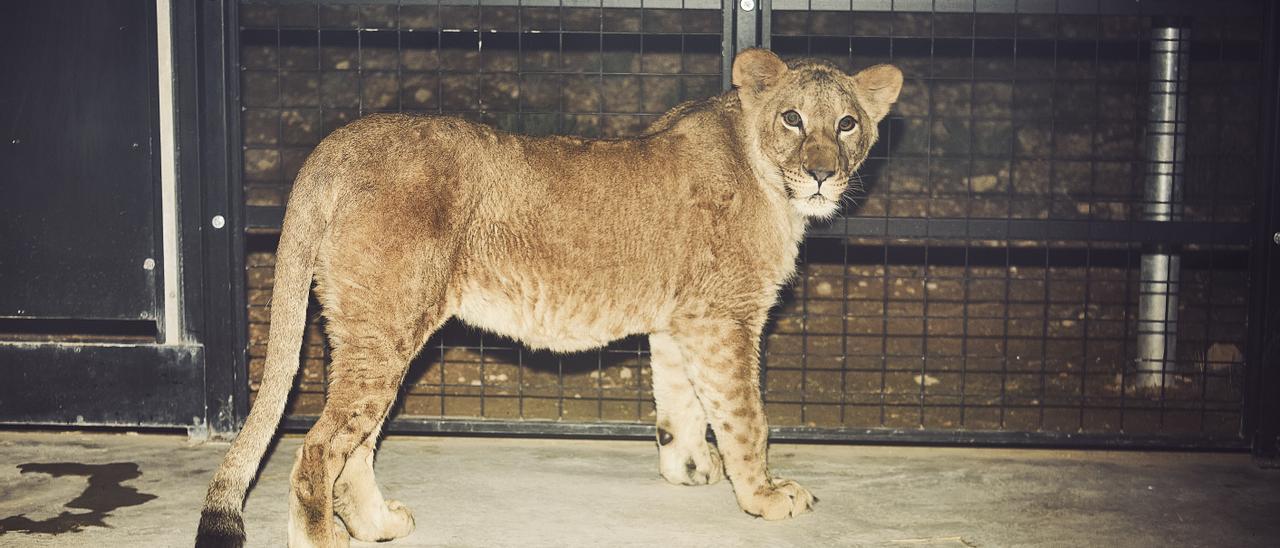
[685, 234]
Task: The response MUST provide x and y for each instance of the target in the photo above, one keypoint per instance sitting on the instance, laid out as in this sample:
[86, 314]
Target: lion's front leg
[684, 456]
[724, 368]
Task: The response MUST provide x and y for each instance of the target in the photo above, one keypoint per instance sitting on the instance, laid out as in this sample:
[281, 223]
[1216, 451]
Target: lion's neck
[770, 183]
[722, 117]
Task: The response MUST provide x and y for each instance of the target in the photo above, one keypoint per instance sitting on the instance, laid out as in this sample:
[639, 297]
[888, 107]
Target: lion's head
[809, 125]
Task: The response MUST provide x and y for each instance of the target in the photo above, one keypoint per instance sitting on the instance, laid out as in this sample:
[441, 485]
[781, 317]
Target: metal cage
[1057, 242]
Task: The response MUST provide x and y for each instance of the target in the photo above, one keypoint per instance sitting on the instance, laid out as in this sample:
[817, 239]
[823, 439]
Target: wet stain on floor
[103, 495]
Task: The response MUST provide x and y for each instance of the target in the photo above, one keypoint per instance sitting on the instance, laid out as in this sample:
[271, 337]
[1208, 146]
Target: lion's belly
[534, 316]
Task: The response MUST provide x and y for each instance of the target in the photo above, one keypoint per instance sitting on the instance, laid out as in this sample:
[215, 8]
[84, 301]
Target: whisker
[850, 198]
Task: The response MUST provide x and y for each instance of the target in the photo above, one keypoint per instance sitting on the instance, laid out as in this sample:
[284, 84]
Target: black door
[81, 248]
[78, 216]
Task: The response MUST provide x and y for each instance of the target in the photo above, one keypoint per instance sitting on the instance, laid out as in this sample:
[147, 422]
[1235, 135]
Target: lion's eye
[791, 118]
[847, 123]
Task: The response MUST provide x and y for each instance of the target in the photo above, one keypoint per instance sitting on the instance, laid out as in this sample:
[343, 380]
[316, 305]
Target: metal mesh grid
[574, 68]
[964, 292]
[1036, 118]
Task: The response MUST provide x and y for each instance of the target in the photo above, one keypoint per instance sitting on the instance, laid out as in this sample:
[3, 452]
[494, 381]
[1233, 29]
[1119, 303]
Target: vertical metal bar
[560, 387]
[727, 42]
[844, 329]
[931, 183]
[600, 119]
[479, 104]
[766, 30]
[320, 73]
[966, 277]
[1086, 315]
[884, 330]
[805, 322]
[884, 288]
[520, 381]
[600, 383]
[444, 380]
[747, 16]
[1162, 201]
[520, 125]
[1010, 197]
[640, 399]
[440, 24]
[766, 24]
[1054, 156]
[359, 64]
[740, 32]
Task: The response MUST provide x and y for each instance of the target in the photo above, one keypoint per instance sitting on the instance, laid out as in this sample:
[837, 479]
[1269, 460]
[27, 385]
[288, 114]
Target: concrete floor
[94, 489]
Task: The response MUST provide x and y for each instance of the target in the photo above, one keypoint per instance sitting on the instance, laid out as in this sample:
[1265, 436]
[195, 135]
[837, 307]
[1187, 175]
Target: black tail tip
[220, 529]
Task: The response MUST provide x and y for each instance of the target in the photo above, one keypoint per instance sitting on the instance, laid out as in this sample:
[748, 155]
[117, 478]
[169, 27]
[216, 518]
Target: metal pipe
[1162, 201]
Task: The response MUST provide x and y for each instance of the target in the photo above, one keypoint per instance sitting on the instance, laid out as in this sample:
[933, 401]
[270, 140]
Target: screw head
[218, 221]
[149, 264]
[747, 5]
[1276, 238]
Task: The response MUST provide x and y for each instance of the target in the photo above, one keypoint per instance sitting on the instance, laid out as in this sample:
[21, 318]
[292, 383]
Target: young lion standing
[685, 234]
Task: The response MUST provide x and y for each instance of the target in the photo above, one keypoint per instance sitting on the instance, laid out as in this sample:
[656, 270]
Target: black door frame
[208, 125]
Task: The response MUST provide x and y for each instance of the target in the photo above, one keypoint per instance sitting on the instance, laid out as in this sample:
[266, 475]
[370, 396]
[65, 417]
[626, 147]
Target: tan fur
[685, 234]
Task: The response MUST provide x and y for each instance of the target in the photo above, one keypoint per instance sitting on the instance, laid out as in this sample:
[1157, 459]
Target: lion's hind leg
[684, 456]
[383, 297]
[364, 383]
[359, 502]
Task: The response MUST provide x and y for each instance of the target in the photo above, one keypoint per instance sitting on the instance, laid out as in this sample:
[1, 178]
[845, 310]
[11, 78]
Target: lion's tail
[221, 521]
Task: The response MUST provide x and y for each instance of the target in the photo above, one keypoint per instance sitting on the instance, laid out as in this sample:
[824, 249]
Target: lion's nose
[820, 174]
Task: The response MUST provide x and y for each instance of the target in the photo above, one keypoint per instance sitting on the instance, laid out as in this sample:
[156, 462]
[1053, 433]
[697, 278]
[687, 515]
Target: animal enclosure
[1053, 243]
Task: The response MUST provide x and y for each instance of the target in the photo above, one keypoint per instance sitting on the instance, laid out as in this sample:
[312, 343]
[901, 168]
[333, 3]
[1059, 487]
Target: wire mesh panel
[588, 68]
[991, 277]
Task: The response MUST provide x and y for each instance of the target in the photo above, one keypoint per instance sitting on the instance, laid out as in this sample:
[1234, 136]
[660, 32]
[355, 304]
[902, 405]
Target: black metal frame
[746, 29]
[269, 218]
[208, 126]
[1262, 418]
[623, 430]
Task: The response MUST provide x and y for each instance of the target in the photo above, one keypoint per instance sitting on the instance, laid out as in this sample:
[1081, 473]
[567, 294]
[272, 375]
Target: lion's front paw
[784, 499]
[690, 463]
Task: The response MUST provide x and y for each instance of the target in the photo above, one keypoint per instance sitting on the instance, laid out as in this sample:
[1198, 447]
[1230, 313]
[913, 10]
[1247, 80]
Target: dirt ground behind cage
[93, 489]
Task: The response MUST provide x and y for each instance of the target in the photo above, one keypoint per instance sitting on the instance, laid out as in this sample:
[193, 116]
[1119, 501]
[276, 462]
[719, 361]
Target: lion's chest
[543, 316]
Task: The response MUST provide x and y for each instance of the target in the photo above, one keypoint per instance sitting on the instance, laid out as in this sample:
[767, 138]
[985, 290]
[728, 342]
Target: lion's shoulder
[718, 108]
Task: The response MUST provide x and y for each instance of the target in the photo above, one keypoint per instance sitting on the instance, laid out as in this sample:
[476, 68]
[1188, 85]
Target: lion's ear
[877, 88]
[755, 70]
